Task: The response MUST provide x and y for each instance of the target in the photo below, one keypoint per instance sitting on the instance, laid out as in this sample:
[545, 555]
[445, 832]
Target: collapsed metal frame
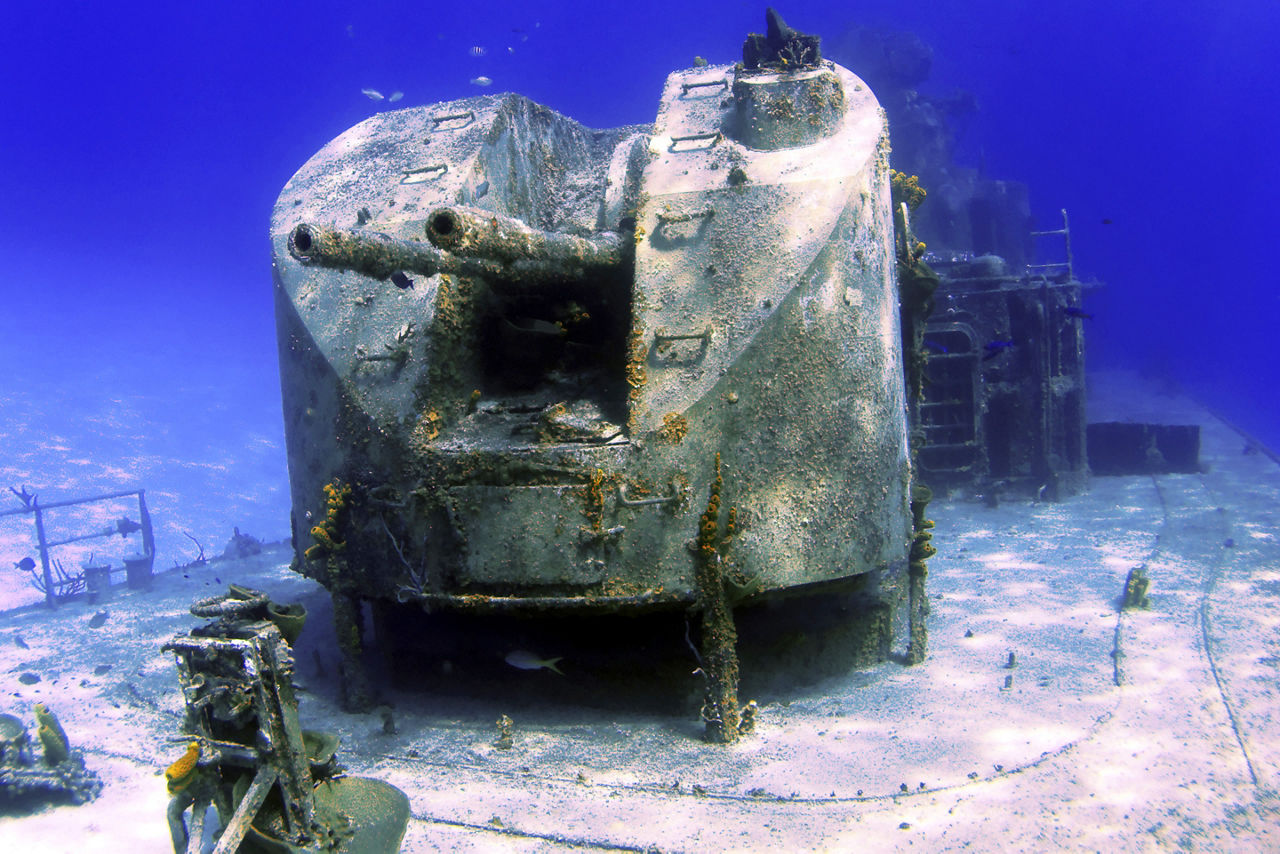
[34, 507]
[247, 754]
[263, 690]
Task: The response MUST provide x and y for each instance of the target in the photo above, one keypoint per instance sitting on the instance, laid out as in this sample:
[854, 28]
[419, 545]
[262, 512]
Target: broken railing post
[49, 593]
[719, 635]
[348, 621]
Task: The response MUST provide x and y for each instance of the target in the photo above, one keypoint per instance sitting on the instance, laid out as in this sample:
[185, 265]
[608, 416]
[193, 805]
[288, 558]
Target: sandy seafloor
[1122, 731]
[207, 449]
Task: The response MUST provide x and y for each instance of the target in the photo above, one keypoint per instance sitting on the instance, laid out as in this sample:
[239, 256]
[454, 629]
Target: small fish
[478, 51]
[30, 678]
[522, 659]
[995, 348]
[372, 94]
[395, 96]
[102, 670]
[26, 564]
[17, 639]
[1072, 311]
[935, 346]
[1106, 221]
[482, 189]
[481, 81]
[98, 620]
[401, 281]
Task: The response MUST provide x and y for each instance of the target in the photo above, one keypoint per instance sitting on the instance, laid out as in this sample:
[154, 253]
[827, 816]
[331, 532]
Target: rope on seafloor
[557, 838]
[1210, 581]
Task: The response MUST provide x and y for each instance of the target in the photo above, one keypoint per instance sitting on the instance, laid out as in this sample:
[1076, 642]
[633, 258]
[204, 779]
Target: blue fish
[522, 659]
[995, 348]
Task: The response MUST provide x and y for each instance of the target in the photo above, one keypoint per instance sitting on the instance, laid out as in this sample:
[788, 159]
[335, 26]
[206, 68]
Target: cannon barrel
[464, 242]
[377, 255]
[485, 235]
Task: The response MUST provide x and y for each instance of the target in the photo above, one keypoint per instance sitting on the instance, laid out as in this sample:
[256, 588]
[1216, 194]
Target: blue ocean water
[143, 145]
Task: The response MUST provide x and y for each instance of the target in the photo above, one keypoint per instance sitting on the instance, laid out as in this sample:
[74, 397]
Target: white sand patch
[1155, 730]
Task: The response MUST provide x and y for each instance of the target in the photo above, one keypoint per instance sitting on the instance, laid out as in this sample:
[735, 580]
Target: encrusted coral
[430, 423]
[720, 709]
[674, 428]
[506, 728]
[595, 501]
[52, 736]
[906, 188]
[709, 524]
[180, 774]
[918, 571]
[63, 773]
[637, 354]
[917, 283]
[328, 533]
[1136, 585]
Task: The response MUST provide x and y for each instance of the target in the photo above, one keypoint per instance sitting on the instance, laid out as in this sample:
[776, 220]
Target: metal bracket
[674, 497]
[663, 335]
[424, 173]
[689, 354]
[670, 218]
[466, 118]
[685, 88]
[710, 138]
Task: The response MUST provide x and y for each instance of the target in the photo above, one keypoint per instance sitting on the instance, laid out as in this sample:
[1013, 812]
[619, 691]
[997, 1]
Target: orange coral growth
[637, 354]
[906, 188]
[180, 774]
[595, 501]
[431, 422]
[327, 532]
[674, 428]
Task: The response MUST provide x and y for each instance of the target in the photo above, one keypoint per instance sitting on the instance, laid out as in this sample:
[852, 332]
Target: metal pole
[1066, 230]
[71, 502]
[148, 537]
[50, 599]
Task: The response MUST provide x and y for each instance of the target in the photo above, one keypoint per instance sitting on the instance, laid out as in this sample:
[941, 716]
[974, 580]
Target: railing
[1065, 231]
[53, 581]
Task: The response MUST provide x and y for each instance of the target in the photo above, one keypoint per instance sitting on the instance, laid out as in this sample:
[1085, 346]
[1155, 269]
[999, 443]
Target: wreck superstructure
[529, 365]
[1004, 408]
